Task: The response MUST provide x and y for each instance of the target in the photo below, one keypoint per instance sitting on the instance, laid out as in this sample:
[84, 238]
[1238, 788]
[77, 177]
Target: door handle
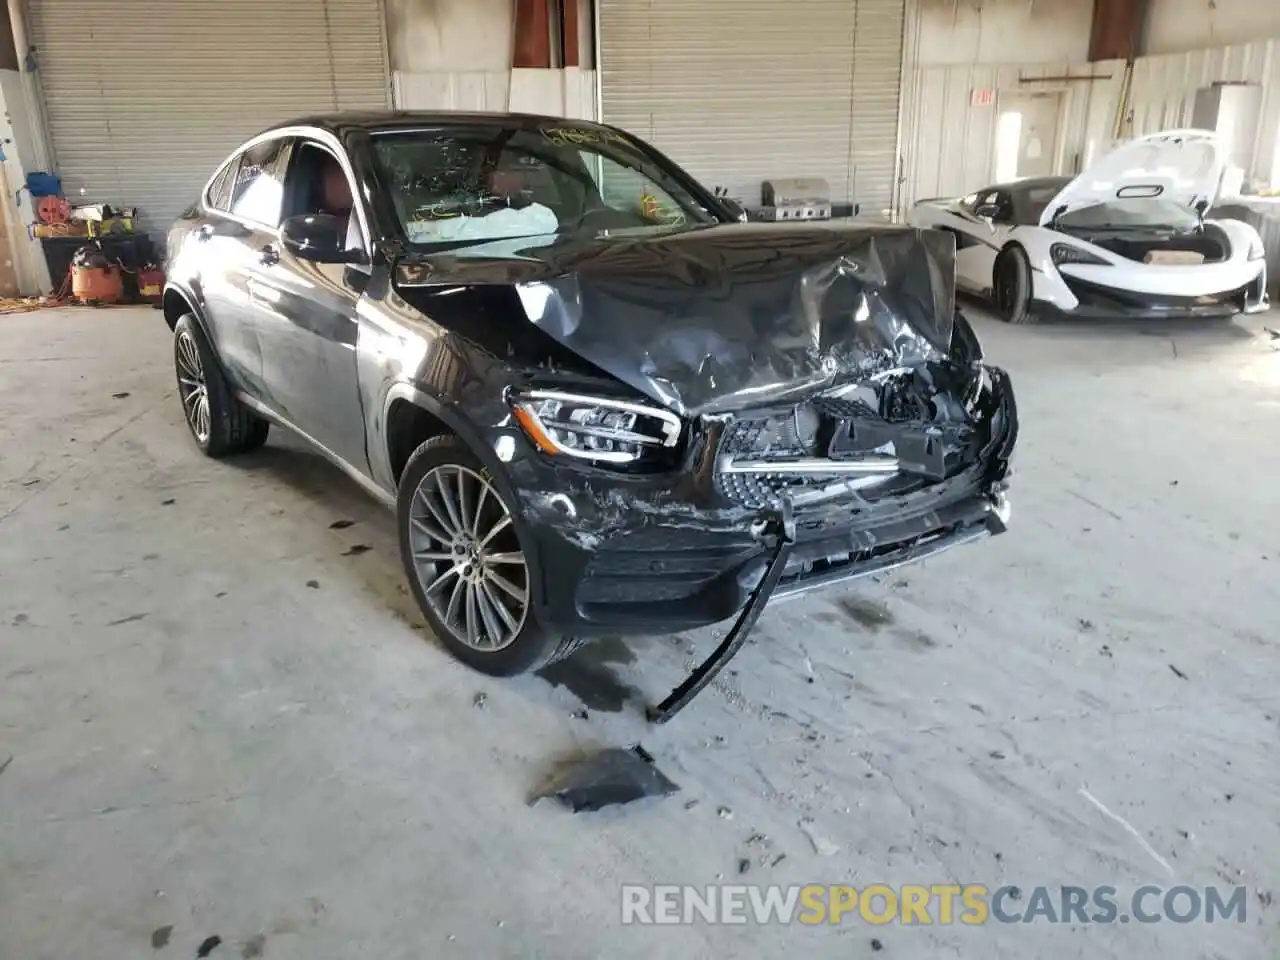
[205, 231]
[270, 255]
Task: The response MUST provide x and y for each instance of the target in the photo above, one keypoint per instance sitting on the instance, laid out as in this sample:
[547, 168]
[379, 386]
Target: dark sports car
[598, 402]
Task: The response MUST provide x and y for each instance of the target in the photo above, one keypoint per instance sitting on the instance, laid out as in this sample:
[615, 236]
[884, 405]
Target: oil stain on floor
[866, 613]
[590, 676]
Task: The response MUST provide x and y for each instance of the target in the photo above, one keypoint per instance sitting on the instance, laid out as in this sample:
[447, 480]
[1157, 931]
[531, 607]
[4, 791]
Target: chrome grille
[797, 441]
[777, 439]
[765, 438]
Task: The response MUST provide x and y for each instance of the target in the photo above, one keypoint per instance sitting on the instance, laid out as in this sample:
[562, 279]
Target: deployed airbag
[506, 222]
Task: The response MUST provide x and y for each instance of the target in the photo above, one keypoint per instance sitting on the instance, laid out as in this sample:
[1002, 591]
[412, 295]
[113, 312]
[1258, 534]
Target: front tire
[1011, 286]
[466, 565]
[220, 424]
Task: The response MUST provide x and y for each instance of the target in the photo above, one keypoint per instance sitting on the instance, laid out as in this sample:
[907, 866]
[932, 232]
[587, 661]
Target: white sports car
[1126, 238]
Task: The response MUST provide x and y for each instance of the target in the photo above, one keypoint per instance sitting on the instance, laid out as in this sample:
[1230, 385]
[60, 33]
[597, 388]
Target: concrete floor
[219, 718]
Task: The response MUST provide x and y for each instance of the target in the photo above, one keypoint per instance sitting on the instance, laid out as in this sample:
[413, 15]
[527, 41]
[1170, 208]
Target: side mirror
[320, 237]
[734, 209]
[988, 211]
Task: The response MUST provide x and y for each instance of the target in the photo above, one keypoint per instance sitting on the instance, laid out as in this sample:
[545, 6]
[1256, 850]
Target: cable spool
[53, 210]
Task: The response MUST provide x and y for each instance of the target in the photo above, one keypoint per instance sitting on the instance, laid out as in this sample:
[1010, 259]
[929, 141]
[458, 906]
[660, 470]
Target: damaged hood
[723, 317]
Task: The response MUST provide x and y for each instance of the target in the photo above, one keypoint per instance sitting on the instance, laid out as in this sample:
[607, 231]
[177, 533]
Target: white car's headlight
[1061, 253]
[598, 428]
[1256, 250]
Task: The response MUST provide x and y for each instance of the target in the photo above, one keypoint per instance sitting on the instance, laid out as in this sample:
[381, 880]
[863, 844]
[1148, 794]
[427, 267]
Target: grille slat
[843, 408]
[771, 438]
[806, 431]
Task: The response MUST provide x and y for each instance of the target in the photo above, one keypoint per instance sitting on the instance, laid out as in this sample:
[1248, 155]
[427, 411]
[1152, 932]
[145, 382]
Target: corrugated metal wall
[144, 99]
[1164, 91]
[741, 91]
[949, 144]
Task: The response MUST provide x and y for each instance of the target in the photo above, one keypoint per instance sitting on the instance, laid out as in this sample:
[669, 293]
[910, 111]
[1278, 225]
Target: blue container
[44, 184]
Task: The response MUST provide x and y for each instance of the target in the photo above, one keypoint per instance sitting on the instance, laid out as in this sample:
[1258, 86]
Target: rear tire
[1011, 286]
[219, 423]
[465, 561]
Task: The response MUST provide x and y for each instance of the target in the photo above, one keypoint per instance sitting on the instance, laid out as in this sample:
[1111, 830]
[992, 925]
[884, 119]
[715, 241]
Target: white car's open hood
[1184, 166]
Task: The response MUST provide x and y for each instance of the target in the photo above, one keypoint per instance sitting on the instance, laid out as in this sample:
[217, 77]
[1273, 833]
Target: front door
[977, 247]
[306, 314]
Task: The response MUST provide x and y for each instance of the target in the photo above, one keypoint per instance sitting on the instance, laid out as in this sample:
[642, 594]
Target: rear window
[219, 195]
[259, 183]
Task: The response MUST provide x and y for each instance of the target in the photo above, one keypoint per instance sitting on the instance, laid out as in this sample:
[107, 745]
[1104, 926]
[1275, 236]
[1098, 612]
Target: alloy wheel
[467, 558]
[192, 386]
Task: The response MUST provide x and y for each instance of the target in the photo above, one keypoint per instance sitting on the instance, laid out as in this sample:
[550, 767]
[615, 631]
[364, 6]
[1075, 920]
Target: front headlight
[597, 428]
[1061, 253]
[1256, 250]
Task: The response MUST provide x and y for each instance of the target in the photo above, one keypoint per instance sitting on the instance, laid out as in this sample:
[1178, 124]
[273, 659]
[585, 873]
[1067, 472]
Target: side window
[318, 184]
[981, 199]
[629, 191]
[1004, 200]
[219, 196]
[259, 185]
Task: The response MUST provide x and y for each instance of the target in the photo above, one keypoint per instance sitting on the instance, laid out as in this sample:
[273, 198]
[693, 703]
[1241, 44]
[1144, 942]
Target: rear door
[237, 239]
[215, 244]
[306, 311]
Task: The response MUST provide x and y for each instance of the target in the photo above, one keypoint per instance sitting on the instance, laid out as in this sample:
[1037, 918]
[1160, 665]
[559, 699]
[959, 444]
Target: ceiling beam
[1116, 32]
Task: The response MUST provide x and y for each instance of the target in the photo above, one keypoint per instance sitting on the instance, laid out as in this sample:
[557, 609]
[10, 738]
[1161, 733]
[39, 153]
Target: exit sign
[982, 98]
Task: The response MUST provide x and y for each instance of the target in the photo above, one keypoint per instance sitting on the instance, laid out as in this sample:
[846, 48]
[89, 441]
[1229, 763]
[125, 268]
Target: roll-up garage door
[144, 97]
[741, 91]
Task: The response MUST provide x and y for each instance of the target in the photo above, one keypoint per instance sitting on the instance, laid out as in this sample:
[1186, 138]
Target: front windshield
[1120, 214]
[1038, 198]
[480, 183]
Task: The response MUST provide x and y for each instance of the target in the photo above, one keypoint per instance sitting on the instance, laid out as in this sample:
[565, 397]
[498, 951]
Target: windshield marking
[578, 136]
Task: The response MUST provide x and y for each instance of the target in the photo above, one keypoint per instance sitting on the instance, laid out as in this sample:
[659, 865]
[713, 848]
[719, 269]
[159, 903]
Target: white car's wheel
[1011, 286]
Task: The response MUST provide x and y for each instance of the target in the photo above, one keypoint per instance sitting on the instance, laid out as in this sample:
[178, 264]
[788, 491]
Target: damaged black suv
[599, 403]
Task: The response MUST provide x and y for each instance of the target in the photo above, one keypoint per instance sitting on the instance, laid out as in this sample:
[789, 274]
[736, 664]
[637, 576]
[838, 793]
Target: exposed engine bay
[889, 435]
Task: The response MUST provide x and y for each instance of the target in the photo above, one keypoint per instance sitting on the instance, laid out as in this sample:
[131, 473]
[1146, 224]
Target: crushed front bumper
[616, 555]
[824, 563]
